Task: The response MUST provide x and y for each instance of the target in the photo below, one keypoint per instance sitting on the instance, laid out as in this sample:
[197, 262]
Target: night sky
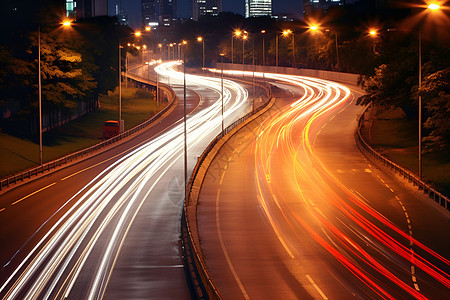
[133, 8]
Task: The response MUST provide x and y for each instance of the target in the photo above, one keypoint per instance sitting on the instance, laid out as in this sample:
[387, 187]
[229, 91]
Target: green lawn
[397, 137]
[19, 154]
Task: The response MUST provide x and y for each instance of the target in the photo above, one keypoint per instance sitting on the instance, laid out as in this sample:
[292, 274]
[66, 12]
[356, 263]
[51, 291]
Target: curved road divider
[433, 194]
[201, 283]
[27, 174]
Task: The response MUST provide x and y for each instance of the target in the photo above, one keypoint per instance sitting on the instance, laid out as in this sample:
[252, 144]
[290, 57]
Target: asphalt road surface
[109, 226]
[290, 209]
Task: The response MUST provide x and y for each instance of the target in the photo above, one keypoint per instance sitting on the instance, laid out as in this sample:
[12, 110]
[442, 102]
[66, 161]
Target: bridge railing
[426, 188]
[201, 282]
[29, 173]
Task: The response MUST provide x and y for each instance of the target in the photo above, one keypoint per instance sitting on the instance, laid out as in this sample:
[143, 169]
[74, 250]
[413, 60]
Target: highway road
[290, 209]
[109, 226]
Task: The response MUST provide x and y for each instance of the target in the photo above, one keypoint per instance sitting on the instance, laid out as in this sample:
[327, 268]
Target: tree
[436, 95]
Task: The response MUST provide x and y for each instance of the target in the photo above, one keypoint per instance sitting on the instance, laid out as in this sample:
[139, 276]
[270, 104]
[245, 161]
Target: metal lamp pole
[221, 77]
[276, 47]
[120, 88]
[185, 124]
[420, 106]
[253, 68]
[66, 24]
[232, 47]
[40, 95]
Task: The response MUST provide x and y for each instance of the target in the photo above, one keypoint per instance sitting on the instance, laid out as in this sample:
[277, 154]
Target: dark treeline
[78, 63]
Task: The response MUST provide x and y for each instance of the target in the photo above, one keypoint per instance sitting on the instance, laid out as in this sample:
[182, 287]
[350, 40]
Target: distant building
[202, 8]
[121, 16]
[258, 8]
[81, 9]
[158, 12]
[71, 8]
[150, 13]
[322, 5]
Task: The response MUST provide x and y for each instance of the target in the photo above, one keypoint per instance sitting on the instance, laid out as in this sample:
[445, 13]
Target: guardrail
[202, 285]
[6, 182]
[427, 189]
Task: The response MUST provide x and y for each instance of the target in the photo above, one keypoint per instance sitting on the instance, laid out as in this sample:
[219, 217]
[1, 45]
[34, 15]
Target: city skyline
[133, 8]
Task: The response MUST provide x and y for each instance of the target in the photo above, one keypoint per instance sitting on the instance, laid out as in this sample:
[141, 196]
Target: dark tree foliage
[436, 97]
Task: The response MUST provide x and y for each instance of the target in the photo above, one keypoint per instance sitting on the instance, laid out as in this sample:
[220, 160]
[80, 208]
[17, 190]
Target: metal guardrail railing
[202, 284]
[6, 182]
[427, 189]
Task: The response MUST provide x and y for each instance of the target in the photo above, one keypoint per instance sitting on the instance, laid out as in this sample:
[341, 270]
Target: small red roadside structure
[110, 129]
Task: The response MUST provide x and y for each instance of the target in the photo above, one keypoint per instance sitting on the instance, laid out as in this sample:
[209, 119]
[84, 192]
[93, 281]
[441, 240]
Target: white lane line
[45, 187]
[316, 287]
[225, 252]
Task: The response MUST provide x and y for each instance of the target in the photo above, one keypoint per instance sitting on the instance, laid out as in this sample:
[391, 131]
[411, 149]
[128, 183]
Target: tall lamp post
[286, 33]
[65, 24]
[432, 7]
[221, 79]
[160, 51]
[236, 33]
[315, 28]
[244, 37]
[202, 40]
[185, 123]
[276, 52]
[263, 51]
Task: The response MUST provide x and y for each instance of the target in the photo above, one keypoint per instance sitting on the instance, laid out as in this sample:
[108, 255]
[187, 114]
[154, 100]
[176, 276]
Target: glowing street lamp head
[148, 28]
[237, 33]
[184, 42]
[244, 37]
[287, 32]
[263, 31]
[434, 6]
[160, 45]
[313, 27]
[137, 33]
[373, 32]
[67, 23]
[199, 39]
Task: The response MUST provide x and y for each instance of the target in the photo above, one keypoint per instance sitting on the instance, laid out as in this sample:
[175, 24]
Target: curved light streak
[370, 240]
[112, 200]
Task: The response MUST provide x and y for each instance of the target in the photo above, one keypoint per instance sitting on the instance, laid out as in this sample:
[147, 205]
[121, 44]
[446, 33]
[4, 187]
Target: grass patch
[18, 154]
[397, 137]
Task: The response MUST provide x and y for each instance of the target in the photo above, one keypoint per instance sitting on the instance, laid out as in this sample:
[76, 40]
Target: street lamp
[65, 24]
[263, 50]
[185, 123]
[315, 28]
[263, 55]
[432, 7]
[201, 40]
[221, 76]
[244, 37]
[236, 33]
[287, 33]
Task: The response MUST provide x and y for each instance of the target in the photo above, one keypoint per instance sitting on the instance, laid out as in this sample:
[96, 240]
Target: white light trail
[113, 198]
